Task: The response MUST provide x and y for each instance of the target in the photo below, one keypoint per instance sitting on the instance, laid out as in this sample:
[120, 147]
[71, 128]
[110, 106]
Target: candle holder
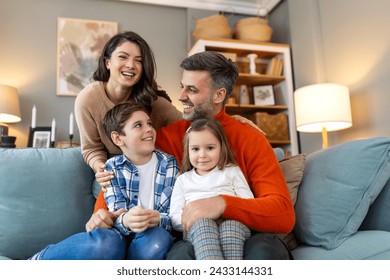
[70, 140]
[30, 137]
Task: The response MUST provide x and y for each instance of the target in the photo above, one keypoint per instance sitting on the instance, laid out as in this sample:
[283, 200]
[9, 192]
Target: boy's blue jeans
[102, 244]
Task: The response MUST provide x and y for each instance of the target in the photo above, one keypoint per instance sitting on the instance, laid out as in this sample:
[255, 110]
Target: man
[207, 82]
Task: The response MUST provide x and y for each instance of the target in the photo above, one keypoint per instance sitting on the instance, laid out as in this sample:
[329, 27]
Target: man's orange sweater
[272, 209]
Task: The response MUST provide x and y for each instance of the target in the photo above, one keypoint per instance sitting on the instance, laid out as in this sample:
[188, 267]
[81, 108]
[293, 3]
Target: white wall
[345, 42]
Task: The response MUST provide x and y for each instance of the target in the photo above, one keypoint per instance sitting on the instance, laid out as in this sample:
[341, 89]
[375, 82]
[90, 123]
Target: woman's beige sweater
[92, 103]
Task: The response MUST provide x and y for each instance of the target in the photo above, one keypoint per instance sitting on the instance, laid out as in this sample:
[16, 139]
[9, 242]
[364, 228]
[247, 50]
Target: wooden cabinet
[281, 82]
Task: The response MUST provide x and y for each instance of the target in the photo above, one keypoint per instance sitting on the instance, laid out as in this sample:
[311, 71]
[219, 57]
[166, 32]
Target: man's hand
[103, 219]
[211, 208]
[139, 219]
[103, 177]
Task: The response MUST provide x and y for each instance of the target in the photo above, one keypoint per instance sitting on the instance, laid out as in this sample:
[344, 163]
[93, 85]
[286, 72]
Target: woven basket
[253, 29]
[216, 26]
[274, 125]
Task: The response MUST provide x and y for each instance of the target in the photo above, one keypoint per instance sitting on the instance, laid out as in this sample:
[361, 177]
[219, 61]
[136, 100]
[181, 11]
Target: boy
[143, 182]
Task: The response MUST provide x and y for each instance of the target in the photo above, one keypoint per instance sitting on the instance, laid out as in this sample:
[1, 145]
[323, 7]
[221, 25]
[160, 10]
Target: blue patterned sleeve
[114, 197]
[172, 172]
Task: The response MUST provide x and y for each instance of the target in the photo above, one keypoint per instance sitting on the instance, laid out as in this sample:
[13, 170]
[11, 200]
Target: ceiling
[247, 7]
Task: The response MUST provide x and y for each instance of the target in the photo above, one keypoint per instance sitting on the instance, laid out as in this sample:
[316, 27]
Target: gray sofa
[341, 195]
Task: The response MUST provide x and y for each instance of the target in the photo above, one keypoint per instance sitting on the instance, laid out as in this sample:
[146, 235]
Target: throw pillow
[338, 186]
[292, 168]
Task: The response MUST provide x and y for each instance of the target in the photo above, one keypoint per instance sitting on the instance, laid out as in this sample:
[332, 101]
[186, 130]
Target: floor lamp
[322, 108]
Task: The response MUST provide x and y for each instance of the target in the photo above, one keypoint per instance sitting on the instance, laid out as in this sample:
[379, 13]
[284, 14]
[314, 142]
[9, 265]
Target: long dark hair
[146, 90]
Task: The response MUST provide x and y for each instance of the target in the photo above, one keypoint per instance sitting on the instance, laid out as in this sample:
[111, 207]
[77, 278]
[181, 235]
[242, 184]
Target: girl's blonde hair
[227, 155]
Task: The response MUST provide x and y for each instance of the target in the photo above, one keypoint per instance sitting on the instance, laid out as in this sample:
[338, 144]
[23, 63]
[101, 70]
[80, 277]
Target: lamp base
[3, 130]
[324, 138]
[8, 141]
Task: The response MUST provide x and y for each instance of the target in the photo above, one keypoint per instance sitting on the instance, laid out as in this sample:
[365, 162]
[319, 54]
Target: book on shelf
[275, 67]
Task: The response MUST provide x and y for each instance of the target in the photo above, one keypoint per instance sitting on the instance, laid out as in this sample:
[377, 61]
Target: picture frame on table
[39, 137]
[263, 95]
[79, 45]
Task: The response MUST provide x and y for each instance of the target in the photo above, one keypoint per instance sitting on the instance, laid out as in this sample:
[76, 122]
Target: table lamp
[322, 108]
[9, 113]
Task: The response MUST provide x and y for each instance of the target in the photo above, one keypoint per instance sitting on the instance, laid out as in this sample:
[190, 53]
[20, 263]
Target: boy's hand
[103, 219]
[139, 219]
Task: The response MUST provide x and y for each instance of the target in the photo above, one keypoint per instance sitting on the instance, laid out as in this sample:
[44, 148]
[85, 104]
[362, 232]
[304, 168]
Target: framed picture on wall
[79, 45]
[39, 137]
[263, 95]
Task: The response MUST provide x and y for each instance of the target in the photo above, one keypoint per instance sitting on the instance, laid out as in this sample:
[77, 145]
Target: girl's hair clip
[188, 129]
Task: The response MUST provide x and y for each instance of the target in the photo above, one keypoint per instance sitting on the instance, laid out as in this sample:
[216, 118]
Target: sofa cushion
[363, 245]
[378, 216]
[337, 188]
[292, 168]
[45, 197]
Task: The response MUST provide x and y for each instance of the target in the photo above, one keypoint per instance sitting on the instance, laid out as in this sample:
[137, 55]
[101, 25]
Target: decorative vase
[244, 95]
[252, 63]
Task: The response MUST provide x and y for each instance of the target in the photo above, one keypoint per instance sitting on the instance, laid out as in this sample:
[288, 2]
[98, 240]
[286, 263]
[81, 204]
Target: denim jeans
[152, 244]
[102, 244]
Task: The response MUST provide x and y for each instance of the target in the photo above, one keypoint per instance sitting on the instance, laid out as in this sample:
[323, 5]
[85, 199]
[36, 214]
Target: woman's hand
[244, 120]
[103, 176]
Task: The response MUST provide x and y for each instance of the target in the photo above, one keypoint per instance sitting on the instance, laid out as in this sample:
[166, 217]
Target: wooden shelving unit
[282, 84]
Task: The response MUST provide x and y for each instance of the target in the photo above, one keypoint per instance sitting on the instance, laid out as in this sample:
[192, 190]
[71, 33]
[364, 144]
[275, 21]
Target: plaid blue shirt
[124, 189]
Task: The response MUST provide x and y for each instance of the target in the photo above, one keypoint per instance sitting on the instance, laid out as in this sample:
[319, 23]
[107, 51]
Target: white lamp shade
[9, 105]
[322, 106]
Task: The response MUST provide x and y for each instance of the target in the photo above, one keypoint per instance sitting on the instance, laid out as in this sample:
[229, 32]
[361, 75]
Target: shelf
[279, 142]
[234, 109]
[259, 79]
[240, 47]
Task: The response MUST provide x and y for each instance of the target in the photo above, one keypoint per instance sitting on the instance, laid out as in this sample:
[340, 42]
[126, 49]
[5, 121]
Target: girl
[209, 169]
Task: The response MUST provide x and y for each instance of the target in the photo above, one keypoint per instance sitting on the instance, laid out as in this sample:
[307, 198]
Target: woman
[126, 72]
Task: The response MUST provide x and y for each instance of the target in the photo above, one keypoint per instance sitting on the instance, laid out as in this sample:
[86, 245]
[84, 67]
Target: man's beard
[204, 110]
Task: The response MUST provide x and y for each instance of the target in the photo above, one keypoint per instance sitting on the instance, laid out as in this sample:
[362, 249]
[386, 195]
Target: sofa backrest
[45, 197]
